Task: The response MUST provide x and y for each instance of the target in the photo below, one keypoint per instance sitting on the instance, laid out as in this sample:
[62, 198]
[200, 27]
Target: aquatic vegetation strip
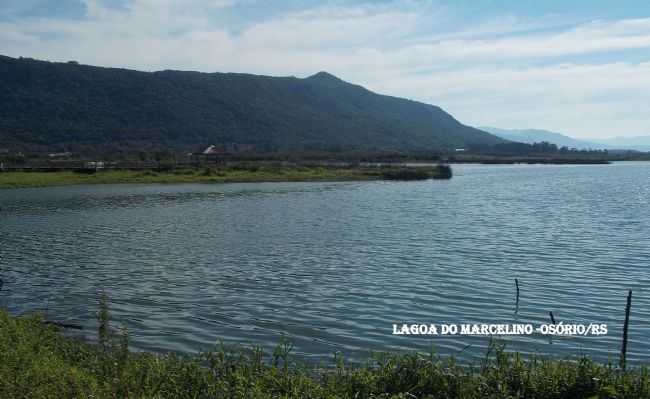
[222, 175]
[37, 361]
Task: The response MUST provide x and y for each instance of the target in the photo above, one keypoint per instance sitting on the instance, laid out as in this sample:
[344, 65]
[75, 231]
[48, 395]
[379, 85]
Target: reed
[37, 361]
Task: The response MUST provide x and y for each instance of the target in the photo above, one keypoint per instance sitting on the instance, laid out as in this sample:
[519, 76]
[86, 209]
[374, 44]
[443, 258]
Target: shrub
[208, 172]
[407, 174]
[86, 171]
[166, 167]
[442, 172]
[36, 361]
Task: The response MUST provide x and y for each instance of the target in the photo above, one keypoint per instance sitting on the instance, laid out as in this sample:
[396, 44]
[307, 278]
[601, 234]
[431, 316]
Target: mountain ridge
[530, 136]
[50, 105]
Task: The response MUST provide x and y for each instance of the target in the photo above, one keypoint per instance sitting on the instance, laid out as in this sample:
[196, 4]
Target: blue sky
[579, 67]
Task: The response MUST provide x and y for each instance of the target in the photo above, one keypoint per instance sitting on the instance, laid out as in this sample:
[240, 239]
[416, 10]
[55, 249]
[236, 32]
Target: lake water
[331, 266]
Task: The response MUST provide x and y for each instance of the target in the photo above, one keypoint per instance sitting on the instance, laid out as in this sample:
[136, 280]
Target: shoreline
[37, 360]
[530, 161]
[248, 174]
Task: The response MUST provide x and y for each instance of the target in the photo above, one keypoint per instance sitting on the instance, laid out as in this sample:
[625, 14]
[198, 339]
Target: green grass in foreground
[220, 175]
[37, 362]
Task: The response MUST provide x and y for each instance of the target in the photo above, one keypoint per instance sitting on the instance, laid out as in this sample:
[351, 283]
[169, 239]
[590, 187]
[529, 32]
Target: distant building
[59, 155]
[214, 150]
[213, 153]
[221, 152]
[94, 165]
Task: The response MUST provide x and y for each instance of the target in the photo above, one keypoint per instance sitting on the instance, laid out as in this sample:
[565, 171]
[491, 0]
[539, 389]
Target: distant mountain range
[72, 107]
[537, 135]
[639, 143]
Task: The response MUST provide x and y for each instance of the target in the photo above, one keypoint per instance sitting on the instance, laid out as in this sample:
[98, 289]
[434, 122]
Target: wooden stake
[625, 327]
[517, 299]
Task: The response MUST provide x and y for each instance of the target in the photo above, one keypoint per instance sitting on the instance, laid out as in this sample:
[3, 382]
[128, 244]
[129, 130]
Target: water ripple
[332, 266]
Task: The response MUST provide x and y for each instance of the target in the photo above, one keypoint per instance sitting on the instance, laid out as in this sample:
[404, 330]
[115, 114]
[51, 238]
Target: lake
[332, 266]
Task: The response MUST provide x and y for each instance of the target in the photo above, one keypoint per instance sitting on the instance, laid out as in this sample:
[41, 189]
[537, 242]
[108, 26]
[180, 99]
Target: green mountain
[56, 106]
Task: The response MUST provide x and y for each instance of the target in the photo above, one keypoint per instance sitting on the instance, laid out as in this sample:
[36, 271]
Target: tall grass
[222, 174]
[36, 361]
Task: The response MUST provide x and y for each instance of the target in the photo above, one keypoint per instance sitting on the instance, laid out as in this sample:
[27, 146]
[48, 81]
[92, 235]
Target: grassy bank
[249, 173]
[37, 362]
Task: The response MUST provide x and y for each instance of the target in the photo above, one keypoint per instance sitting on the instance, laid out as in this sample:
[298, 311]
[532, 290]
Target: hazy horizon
[567, 134]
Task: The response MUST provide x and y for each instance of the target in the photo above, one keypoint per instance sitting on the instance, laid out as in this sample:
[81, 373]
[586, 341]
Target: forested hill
[45, 105]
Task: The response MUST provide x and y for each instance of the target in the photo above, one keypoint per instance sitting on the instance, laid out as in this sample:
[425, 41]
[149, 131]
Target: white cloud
[585, 100]
[496, 72]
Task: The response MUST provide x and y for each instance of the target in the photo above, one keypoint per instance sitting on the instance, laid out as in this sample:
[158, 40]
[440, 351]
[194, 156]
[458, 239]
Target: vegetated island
[225, 174]
[36, 361]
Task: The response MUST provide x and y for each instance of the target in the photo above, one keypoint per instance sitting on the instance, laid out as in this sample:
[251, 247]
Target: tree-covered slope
[61, 105]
